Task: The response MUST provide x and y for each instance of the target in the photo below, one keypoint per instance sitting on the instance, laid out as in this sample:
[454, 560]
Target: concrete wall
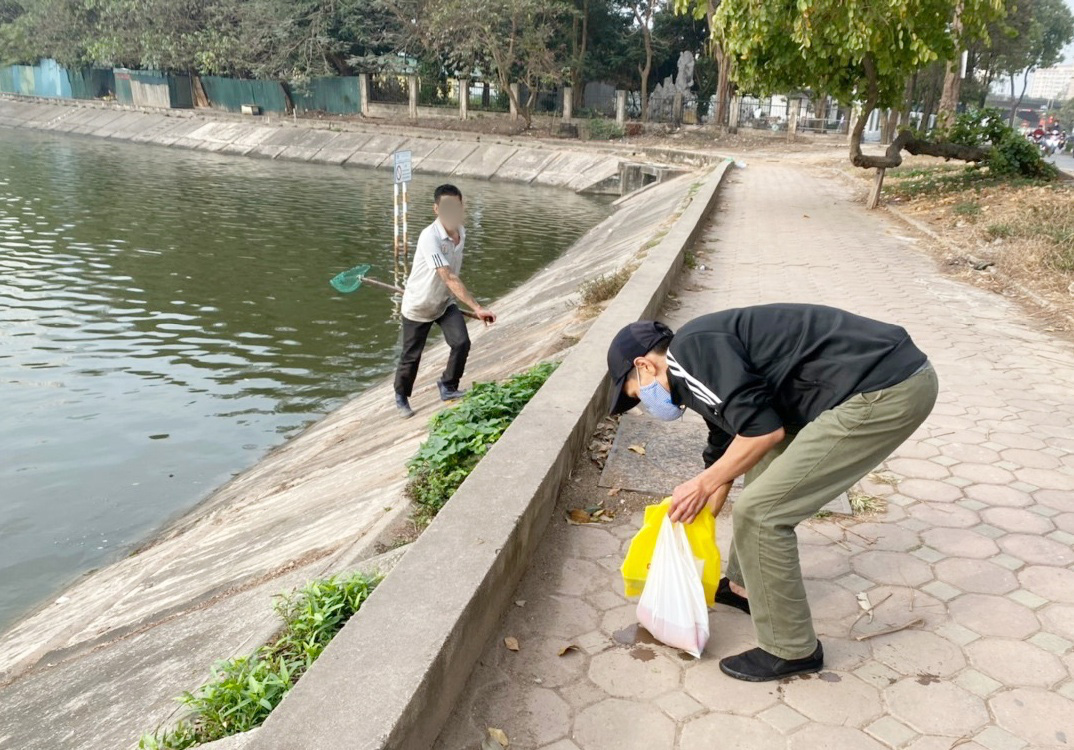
[572, 167]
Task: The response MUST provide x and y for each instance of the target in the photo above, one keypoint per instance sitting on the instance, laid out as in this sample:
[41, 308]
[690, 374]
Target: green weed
[244, 690]
[460, 436]
[605, 286]
[967, 208]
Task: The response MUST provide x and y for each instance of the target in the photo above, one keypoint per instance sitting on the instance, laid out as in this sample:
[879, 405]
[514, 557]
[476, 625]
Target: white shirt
[426, 296]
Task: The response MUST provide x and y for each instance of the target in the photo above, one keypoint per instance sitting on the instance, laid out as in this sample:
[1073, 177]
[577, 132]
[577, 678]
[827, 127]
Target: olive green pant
[796, 479]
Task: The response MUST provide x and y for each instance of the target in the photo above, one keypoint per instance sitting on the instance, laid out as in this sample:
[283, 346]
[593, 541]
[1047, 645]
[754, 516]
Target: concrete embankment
[579, 167]
[104, 661]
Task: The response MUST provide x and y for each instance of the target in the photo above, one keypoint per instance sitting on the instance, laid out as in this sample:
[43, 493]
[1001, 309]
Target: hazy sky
[1069, 56]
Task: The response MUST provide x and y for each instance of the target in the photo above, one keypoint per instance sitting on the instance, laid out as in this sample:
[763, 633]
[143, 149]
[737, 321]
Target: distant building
[1052, 83]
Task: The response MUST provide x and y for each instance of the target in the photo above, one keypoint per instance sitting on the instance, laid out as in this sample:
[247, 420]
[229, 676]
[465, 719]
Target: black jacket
[751, 370]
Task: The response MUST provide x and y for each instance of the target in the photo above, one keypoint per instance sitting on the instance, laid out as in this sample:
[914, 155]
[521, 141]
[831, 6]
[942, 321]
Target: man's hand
[487, 316]
[689, 498]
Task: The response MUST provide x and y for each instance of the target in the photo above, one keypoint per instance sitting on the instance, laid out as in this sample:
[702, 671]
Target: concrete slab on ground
[446, 157]
[374, 151]
[340, 149]
[525, 164]
[308, 144]
[485, 161]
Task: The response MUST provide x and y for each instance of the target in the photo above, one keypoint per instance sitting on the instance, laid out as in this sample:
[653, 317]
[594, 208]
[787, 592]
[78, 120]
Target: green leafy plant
[600, 129]
[244, 690]
[1011, 155]
[967, 208]
[460, 436]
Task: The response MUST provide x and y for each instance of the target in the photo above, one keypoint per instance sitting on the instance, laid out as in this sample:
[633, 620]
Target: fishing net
[351, 279]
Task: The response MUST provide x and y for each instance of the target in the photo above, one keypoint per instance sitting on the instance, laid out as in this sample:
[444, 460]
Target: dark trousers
[453, 324]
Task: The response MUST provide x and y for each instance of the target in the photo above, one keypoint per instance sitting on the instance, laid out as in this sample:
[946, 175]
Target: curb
[392, 676]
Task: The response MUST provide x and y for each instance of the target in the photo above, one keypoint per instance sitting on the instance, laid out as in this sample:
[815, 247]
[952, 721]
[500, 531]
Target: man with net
[431, 291]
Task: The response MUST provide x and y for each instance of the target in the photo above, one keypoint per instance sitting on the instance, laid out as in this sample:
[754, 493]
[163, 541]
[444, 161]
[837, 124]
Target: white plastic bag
[672, 605]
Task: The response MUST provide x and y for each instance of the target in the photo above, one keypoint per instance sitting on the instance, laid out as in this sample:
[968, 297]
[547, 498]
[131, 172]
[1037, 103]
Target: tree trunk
[952, 82]
[908, 101]
[723, 85]
[1018, 102]
[820, 109]
[644, 71]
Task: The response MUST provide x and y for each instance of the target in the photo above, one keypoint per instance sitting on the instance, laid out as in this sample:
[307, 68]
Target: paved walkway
[976, 540]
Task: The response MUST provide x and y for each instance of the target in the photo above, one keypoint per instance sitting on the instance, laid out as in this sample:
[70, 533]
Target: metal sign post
[401, 170]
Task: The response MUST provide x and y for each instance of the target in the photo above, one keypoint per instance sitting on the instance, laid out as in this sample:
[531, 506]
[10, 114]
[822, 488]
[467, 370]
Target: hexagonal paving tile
[830, 601]
[575, 577]
[1037, 459]
[944, 514]
[891, 567]
[589, 543]
[998, 494]
[561, 616]
[617, 724]
[960, 542]
[1017, 521]
[817, 736]
[1016, 662]
[970, 453]
[529, 715]
[918, 468]
[916, 652]
[1041, 717]
[537, 660]
[993, 616]
[823, 562]
[833, 698]
[712, 688]
[982, 473]
[616, 619]
[728, 733]
[888, 536]
[930, 490]
[1047, 479]
[1037, 550]
[1056, 584]
[976, 576]
[1059, 619]
[936, 707]
[638, 672]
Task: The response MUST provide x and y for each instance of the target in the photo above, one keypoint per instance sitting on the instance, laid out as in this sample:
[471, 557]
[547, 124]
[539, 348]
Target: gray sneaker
[403, 404]
[449, 394]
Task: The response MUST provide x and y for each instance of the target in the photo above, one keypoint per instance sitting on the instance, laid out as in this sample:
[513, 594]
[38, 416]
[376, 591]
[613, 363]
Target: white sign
[401, 166]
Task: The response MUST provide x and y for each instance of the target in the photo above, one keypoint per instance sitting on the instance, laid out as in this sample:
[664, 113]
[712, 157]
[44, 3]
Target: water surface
[165, 318]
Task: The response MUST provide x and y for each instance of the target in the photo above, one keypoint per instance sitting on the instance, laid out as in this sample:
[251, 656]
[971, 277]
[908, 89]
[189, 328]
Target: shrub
[1011, 156]
[460, 436]
[600, 129]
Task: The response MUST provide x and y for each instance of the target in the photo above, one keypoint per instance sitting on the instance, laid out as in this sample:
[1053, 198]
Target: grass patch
[461, 435]
[999, 231]
[244, 690]
[967, 208]
[603, 287]
[864, 504]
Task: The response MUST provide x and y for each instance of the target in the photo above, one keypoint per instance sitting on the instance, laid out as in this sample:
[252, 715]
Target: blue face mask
[657, 401]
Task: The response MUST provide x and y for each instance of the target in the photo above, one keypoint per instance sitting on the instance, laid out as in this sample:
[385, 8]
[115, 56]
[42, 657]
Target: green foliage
[1012, 155]
[601, 129]
[967, 208]
[828, 45]
[244, 690]
[461, 435]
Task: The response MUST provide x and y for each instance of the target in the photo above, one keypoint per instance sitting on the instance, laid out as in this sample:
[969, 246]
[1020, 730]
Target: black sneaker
[724, 595]
[403, 404]
[757, 665]
[449, 394]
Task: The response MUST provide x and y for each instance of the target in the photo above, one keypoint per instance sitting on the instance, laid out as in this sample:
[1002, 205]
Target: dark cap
[633, 341]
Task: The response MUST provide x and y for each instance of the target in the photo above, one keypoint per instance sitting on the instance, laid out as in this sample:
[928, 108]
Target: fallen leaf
[568, 648]
[499, 736]
[511, 643]
[577, 515]
[863, 601]
[639, 449]
[490, 744]
[520, 602]
[616, 490]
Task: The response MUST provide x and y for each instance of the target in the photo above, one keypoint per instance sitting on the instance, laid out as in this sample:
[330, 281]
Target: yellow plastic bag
[701, 533]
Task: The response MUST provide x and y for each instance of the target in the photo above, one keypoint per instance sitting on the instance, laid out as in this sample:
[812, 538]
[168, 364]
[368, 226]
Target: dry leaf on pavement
[499, 736]
[511, 642]
[639, 449]
[568, 648]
